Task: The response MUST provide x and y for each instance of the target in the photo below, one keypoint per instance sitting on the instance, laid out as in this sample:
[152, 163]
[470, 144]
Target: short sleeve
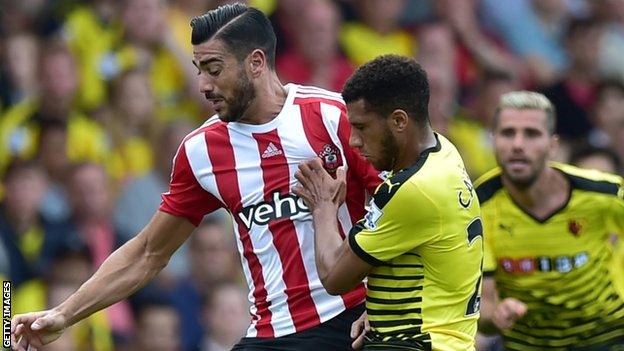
[186, 198]
[388, 230]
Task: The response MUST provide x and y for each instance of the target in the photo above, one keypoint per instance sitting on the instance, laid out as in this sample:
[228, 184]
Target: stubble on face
[388, 150]
[243, 95]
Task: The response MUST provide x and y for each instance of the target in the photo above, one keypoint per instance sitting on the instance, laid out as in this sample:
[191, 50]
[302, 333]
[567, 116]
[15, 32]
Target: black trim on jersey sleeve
[488, 274]
[597, 186]
[487, 190]
[365, 256]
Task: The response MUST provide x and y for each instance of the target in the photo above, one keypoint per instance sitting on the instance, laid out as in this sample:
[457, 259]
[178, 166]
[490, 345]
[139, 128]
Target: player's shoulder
[399, 182]
[211, 125]
[488, 185]
[305, 94]
[592, 181]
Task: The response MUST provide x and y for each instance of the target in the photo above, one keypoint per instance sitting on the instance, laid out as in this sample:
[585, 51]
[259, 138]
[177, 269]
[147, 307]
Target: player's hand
[359, 328]
[31, 331]
[316, 186]
[507, 312]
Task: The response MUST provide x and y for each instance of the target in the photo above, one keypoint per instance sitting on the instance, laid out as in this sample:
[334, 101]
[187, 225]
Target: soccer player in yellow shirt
[548, 279]
[420, 244]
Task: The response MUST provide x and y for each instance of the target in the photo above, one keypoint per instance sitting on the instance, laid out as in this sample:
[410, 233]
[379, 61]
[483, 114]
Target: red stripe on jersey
[318, 136]
[224, 168]
[305, 100]
[276, 176]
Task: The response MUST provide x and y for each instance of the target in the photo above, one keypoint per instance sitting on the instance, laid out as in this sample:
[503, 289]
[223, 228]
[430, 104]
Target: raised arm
[124, 272]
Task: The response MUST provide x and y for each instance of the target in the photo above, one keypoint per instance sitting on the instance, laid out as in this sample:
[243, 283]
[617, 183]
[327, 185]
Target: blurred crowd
[95, 97]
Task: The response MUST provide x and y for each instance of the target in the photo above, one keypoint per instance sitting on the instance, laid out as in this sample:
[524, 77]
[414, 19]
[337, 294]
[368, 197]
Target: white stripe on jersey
[251, 185]
[197, 154]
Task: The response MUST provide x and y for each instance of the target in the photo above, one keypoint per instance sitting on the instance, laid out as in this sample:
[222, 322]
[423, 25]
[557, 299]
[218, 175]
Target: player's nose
[355, 141]
[205, 85]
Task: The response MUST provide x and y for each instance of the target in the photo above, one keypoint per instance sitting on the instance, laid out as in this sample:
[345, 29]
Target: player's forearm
[327, 240]
[124, 272]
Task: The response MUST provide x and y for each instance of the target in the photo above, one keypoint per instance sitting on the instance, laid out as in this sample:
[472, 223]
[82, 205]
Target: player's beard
[242, 97]
[388, 151]
[525, 182]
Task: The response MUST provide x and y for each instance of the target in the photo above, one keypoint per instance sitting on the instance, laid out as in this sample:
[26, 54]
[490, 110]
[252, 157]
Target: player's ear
[398, 120]
[257, 62]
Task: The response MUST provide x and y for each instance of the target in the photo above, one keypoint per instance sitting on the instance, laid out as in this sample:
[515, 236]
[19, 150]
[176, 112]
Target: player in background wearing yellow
[420, 244]
[548, 284]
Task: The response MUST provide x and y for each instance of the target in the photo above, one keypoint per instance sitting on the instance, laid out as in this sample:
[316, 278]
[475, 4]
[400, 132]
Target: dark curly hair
[391, 82]
[243, 29]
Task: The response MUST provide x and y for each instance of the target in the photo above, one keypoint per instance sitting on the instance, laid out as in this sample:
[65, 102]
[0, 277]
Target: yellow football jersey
[559, 266]
[422, 234]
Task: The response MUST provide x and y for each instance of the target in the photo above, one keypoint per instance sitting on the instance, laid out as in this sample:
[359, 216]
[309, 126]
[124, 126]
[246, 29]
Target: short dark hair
[243, 29]
[583, 151]
[391, 82]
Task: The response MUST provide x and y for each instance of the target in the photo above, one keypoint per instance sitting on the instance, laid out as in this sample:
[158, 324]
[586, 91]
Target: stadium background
[96, 95]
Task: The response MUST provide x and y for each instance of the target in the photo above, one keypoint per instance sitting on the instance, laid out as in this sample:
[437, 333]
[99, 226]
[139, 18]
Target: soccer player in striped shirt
[244, 160]
[550, 283]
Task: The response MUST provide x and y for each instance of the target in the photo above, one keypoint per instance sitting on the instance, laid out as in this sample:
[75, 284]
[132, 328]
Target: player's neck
[410, 153]
[269, 101]
[548, 193]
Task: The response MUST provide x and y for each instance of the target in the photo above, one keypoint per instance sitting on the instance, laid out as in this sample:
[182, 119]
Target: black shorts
[332, 335]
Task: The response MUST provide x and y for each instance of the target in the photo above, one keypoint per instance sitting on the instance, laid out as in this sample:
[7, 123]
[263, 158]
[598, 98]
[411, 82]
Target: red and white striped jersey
[249, 170]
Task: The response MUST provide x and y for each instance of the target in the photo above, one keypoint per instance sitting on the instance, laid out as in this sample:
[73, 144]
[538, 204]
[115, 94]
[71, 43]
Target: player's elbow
[334, 288]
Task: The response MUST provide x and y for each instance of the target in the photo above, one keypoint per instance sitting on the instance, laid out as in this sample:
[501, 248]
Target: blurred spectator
[71, 267]
[478, 49]
[20, 15]
[319, 64]
[213, 261]
[18, 74]
[172, 75]
[534, 30]
[20, 125]
[226, 313]
[92, 31]
[131, 125]
[91, 204]
[22, 229]
[575, 93]
[601, 159]
[608, 114]
[437, 55]
[377, 33]
[158, 327]
[52, 156]
[611, 14]
[469, 130]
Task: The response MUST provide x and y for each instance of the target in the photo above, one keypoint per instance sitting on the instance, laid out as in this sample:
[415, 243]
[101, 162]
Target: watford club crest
[575, 227]
[331, 158]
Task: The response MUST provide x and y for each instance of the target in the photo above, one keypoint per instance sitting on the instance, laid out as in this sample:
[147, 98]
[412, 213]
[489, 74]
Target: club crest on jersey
[331, 158]
[575, 227]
